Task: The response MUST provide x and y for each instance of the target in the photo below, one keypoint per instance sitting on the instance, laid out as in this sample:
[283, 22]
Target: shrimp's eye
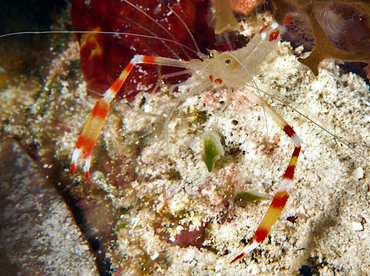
[228, 61]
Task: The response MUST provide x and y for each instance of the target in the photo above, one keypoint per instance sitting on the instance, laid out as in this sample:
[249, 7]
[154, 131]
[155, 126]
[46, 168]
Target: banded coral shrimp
[196, 198]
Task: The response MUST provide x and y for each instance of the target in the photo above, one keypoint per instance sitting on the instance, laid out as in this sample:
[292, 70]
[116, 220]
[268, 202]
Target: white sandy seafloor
[331, 185]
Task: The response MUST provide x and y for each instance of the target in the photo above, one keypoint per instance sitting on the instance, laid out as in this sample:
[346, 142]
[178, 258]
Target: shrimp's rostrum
[233, 69]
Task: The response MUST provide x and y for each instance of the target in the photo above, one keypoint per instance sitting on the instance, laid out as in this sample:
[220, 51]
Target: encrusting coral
[333, 24]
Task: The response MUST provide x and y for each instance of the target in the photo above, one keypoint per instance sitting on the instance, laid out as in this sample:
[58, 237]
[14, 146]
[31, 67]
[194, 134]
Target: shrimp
[229, 68]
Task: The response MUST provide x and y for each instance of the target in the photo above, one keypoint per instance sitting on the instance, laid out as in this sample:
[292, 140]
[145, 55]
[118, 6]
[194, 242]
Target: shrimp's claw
[86, 142]
[87, 159]
[248, 249]
[282, 195]
[75, 155]
[270, 218]
[96, 120]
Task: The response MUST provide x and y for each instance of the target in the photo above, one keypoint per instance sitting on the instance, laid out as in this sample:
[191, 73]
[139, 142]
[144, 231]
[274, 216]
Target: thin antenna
[159, 25]
[344, 142]
[187, 29]
[154, 35]
[98, 32]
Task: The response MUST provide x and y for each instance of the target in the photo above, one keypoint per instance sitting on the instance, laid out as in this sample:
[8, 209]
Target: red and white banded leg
[86, 142]
[281, 197]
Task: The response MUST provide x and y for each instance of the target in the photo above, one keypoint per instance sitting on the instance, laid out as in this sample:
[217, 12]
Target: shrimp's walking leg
[86, 142]
[281, 197]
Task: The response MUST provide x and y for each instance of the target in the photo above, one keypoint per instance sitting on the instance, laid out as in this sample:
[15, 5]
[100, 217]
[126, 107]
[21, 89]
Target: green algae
[213, 149]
